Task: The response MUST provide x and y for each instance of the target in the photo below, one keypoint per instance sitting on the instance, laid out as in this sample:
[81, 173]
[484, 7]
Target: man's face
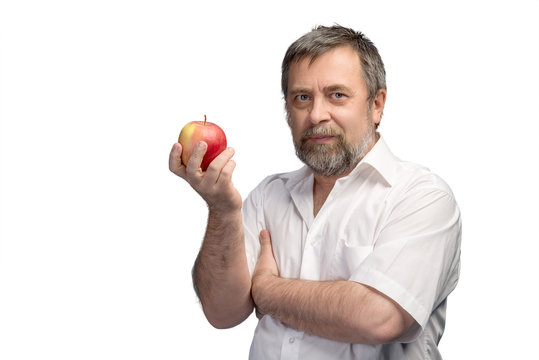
[332, 125]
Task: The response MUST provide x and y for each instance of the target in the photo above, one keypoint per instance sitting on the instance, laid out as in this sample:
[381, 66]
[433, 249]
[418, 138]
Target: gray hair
[323, 39]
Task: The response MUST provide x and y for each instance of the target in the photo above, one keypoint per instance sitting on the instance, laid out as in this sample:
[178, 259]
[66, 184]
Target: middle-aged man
[350, 257]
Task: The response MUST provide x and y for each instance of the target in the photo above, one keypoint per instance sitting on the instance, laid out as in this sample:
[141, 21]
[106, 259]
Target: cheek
[296, 133]
[297, 125]
[353, 124]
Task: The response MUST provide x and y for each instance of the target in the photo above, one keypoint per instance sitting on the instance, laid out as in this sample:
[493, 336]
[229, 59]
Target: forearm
[220, 273]
[338, 310]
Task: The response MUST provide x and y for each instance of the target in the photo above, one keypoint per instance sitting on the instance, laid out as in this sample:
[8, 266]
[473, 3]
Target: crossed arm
[339, 310]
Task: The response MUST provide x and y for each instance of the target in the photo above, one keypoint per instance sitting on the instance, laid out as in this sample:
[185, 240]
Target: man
[350, 257]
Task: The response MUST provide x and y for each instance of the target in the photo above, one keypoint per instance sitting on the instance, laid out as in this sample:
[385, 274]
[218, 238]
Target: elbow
[225, 312]
[227, 319]
[219, 323]
[393, 329]
[387, 333]
[385, 321]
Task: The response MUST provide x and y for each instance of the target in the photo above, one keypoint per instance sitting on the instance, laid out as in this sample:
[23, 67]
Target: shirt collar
[380, 158]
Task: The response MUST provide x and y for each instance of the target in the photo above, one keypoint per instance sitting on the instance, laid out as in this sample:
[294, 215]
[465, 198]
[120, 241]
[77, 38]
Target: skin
[220, 272]
[328, 92]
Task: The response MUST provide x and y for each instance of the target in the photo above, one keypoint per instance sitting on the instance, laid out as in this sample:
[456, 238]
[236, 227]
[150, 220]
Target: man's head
[323, 39]
[334, 86]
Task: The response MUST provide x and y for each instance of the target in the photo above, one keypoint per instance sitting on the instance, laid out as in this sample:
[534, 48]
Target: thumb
[265, 239]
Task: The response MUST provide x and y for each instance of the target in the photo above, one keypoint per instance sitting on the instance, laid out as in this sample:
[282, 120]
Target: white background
[97, 237]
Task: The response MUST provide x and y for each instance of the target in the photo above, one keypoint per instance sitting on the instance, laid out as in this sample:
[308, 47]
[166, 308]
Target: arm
[344, 311]
[220, 274]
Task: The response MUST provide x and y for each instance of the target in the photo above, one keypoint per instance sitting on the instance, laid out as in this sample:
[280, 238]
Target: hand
[266, 269]
[215, 184]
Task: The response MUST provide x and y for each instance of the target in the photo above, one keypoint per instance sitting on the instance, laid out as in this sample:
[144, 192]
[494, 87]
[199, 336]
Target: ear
[378, 105]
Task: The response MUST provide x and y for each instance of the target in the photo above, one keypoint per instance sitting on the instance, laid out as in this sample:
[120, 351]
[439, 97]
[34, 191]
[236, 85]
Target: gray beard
[332, 159]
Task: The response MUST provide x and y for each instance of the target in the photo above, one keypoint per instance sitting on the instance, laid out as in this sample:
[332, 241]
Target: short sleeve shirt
[390, 224]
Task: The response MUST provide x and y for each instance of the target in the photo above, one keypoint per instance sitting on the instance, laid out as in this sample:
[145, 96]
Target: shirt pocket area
[347, 259]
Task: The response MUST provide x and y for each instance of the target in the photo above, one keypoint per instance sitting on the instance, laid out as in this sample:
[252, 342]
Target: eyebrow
[330, 88]
[337, 88]
[296, 91]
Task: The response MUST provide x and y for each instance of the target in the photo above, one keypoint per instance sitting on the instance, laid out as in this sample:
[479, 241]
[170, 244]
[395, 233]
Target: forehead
[336, 66]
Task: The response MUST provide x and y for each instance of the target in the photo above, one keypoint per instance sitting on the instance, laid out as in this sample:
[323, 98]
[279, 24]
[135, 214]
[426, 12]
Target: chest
[330, 245]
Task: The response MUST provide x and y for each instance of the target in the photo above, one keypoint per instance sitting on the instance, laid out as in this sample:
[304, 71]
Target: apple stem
[204, 119]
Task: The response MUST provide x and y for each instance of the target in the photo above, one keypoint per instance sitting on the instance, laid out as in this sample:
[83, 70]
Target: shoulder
[400, 175]
[412, 177]
[279, 181]
[421, 197]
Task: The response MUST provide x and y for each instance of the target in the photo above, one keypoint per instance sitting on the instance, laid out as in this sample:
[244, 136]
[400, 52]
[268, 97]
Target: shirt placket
[310, 264]
[291, 344]
[311, 258]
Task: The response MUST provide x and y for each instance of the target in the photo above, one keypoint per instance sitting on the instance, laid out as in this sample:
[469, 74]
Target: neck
[327, 182]
[322, 186]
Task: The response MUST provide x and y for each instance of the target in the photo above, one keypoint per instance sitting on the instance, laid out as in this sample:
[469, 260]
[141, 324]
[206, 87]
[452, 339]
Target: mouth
[325, 139]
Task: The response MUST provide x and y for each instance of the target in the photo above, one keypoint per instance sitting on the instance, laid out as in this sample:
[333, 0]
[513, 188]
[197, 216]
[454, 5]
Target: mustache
[320, 131]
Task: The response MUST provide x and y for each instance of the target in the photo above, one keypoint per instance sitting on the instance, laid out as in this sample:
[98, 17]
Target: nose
[319, 111]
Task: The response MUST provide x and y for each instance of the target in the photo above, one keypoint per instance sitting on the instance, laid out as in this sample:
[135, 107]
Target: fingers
[221, 167]
[190, 171]
[193, 166]
[215, 184]
[265, 238]
[266, 264]
[175, 159]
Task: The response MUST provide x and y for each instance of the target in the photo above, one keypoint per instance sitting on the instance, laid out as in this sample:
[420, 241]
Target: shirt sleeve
[253, 223]
[415, 260]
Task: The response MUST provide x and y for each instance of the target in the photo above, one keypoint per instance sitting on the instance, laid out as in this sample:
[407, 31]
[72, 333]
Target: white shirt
[389, 224]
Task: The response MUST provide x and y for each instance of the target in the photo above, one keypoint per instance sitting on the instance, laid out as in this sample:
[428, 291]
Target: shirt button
[291, 340]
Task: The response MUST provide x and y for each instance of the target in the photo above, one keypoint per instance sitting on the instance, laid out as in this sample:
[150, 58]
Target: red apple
[197, 131]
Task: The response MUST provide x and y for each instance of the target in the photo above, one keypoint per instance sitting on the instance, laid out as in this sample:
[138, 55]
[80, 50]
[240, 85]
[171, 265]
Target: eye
[338, 95]
[303, 97]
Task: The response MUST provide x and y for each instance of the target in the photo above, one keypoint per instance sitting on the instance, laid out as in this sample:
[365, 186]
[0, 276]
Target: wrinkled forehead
[317, 51]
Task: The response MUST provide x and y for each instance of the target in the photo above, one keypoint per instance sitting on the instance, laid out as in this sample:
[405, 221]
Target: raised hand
[215, 184]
